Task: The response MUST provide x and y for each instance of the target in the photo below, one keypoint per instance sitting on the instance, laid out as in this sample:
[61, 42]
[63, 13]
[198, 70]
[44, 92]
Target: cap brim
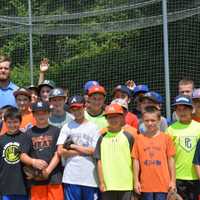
[185, 104]
[76, 105]
[21, 93]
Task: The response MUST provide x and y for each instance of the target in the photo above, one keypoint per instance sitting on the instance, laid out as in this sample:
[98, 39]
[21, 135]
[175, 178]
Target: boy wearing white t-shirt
[76, 143]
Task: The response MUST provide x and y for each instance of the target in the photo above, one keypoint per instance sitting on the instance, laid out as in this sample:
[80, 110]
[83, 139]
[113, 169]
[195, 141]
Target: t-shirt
[6, 95]
[99, 120]
[153, 154]
[80, 170]
[185, 137]
[196, 159]
[28, 121]
[127, 128]
[40, 143]
[163, 125]
[114, 151]
[131, 119]
[59, 121]
[12, 180]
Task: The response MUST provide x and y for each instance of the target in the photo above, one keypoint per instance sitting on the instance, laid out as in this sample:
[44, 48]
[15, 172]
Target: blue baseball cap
[140, 89]
[122, 88]
[89, 84]
[182, 100]
[154, 96]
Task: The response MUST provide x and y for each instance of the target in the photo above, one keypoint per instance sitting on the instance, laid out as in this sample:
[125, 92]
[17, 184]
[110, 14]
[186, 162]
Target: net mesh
[106, 40]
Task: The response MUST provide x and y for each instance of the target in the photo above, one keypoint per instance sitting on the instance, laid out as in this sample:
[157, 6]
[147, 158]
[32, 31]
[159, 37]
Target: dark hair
[152, 110]
[12, 113]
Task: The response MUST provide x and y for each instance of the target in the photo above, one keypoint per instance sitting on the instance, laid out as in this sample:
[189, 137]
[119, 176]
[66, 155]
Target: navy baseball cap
[140, 89]
[40, 106]
[154, 96]
[89, 84]
[122, 88]
[76, 101]
[182, 100]
[56, 92]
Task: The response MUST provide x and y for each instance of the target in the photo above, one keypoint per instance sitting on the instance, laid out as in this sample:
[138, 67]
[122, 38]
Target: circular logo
[11, 153]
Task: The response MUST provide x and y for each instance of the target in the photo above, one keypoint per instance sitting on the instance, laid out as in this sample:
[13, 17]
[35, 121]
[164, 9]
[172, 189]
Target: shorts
[117, 195]
[80, 192]
[14, 197]
[188, 189]
[47, 192]
[154, 196]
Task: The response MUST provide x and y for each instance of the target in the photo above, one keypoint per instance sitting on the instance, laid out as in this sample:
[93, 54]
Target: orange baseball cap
[97, 89]
[113, 108]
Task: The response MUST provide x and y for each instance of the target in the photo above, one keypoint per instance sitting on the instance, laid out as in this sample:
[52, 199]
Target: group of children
[55, 148]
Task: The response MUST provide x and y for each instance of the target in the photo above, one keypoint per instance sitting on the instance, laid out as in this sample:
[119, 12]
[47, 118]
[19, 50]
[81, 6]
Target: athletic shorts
[14, 197]
[188, 189]
[117, 195]
[50, 192]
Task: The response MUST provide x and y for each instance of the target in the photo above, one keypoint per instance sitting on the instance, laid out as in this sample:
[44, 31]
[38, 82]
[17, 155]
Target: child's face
[13, 125]
[96, 101]
[57, 103]
[184, 113]
[23, 102]
[41, 117]
[121, 95]
[115, 121]
[196, 104]
[78, 113]
[44, 93]
[151, 122]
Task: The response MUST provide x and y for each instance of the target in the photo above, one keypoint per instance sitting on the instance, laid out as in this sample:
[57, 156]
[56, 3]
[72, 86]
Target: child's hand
[102, 187]
[39, 164]
[44, 65]
[45, 173]
[130, 84]
[137, 187]
[172, 186]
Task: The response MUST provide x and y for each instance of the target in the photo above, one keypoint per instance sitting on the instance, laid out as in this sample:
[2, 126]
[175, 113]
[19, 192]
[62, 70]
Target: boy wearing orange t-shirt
[23, 100]
[154, 167]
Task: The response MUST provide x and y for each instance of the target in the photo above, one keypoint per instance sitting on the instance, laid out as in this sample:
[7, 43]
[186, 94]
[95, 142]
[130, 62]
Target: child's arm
[82, 149]
[172, 171]
[136, 171]
[67, 153]
[102, 186]
[36, 163]
[52, 165]
[197, 167]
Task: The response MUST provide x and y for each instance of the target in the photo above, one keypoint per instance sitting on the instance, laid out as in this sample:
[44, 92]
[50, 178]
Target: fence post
[166, 58]
[30, 42]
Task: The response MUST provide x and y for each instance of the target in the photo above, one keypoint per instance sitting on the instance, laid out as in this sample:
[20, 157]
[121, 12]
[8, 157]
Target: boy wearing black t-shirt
[12, 181]
[39, 153]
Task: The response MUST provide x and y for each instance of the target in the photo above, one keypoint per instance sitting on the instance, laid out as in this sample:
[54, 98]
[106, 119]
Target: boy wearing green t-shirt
[113, 154]
[185, 133]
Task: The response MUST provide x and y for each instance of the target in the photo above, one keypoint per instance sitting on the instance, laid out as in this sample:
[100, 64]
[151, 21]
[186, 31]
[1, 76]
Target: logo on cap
[56, 92]
[74, 100]
[39, 104]
[182, 99]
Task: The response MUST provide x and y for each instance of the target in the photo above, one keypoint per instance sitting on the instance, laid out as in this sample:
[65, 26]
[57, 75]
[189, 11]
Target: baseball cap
[57, 92]
[22, 91]
[140, 89]
[40, 106]
[32, 87]
[154, 96]
[122, 88]
[182, 100]
[196, 94]
[88, 85]
[76, 101]
[97, 89]
[113, 109]
[48, 83]
[122, 102]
